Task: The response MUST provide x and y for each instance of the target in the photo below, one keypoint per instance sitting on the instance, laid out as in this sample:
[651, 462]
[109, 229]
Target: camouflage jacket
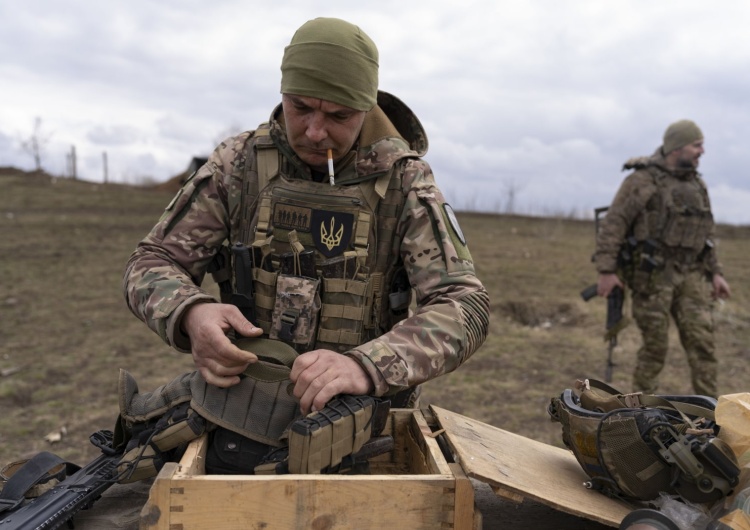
[451, 319]
[671, 208]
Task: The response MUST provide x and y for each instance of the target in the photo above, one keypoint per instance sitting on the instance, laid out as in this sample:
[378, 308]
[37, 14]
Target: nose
[316, 129]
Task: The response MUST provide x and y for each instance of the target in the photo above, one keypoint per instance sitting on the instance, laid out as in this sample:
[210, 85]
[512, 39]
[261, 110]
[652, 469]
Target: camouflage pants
[686, 296]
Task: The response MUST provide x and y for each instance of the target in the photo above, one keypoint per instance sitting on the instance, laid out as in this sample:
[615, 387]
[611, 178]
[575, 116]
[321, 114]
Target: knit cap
[680, 134]
[334, 60]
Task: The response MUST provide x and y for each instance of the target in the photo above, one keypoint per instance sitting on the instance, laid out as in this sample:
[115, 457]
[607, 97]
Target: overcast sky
[537, 101]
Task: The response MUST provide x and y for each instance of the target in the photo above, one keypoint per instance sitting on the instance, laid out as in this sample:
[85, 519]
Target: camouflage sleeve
[629, 203]
[452, 315]
[164, 273]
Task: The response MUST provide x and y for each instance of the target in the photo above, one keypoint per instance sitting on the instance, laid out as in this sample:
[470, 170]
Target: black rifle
[615, 322]
[57, 506]
[615, 300]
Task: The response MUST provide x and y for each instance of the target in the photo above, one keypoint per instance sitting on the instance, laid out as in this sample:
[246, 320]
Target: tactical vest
[679, 217]
[324, 274]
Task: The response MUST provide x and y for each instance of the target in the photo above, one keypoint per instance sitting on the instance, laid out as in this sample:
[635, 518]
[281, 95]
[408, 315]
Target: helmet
[638, 446]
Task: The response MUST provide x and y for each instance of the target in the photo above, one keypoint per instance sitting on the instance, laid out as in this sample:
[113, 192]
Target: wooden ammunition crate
[422, 484]
[413, 486]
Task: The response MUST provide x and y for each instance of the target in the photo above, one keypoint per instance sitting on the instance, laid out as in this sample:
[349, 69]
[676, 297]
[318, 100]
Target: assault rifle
[615, 322]
[57, 506]
[615, 300]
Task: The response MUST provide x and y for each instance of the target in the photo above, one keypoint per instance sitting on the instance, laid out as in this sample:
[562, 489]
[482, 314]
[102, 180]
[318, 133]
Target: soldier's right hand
[607, 282]
[218, 360]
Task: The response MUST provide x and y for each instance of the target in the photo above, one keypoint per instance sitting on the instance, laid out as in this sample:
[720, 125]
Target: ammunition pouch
[321, 440]
[637, 446]
[338, 438]
[645, 260]
[296, 311]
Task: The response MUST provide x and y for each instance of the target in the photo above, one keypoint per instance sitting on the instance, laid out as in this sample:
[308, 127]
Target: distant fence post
[72, 163]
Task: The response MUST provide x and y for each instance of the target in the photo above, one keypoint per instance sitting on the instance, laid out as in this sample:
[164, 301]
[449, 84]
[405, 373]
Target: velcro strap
[342, 311]
[340, 336]
[336, 285]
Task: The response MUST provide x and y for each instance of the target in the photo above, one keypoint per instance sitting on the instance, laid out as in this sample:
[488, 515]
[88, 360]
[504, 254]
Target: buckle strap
[288, 322]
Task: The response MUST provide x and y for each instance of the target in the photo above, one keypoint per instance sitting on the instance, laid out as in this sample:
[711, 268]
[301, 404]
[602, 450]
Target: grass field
[65, 330]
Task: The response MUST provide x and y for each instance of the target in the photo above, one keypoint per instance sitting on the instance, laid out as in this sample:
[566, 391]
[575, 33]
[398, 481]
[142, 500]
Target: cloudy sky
[531, 105]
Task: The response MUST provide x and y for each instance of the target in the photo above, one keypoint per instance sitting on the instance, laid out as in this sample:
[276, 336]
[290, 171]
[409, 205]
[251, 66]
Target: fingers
[310, 381]
[241, 325]
[321, 375]
[216, 357]
[606, 283]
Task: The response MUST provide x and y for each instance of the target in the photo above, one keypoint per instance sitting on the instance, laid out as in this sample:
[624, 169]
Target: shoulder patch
[453, 222]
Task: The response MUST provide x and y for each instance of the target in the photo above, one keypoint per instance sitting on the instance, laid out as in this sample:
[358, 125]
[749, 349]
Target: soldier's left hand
[321, 375]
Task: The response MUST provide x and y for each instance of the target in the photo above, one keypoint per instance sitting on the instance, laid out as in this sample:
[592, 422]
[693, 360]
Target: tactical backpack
[636, 446]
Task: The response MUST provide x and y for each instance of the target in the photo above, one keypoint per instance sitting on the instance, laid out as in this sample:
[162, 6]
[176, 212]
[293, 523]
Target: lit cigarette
[330, 167]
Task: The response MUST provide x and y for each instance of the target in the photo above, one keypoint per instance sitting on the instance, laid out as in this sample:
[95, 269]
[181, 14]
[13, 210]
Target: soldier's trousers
[686, 296]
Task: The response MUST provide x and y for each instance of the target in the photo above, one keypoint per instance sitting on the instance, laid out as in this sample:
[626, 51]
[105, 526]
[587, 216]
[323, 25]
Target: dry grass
[65, 330]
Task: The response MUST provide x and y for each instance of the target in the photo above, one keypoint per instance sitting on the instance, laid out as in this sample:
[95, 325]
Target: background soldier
[658, 234]
[336, 174]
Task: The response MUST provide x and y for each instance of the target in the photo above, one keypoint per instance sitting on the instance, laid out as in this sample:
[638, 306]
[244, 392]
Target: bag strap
[36, 470]
[651, 400]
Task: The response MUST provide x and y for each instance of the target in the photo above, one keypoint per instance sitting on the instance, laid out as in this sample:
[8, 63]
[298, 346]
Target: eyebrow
[343, 111]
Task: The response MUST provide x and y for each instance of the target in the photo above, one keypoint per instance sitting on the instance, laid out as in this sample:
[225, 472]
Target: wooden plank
[304, 501]
[544, 473]
[193, 462]
[398, 427]
[434, 460]
[505, 493]
[155, 513]
[463, 517]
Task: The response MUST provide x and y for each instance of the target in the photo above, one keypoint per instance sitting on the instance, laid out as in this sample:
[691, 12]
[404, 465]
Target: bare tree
[35, 144]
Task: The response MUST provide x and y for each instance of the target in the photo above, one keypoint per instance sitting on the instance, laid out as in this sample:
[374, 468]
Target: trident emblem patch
[331, 231]
[328, 238]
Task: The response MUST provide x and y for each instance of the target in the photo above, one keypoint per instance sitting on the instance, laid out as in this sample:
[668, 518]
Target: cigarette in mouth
[330, 167]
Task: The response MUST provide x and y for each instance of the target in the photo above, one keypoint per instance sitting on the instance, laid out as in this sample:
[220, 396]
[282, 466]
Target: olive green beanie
[334, 60]
[680, 134]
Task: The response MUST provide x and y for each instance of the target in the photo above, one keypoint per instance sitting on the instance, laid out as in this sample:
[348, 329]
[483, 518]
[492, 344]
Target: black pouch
[230, 453]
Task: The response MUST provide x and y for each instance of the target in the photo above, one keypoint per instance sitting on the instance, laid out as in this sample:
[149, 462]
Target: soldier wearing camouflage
[381, 235]
[661, 220]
